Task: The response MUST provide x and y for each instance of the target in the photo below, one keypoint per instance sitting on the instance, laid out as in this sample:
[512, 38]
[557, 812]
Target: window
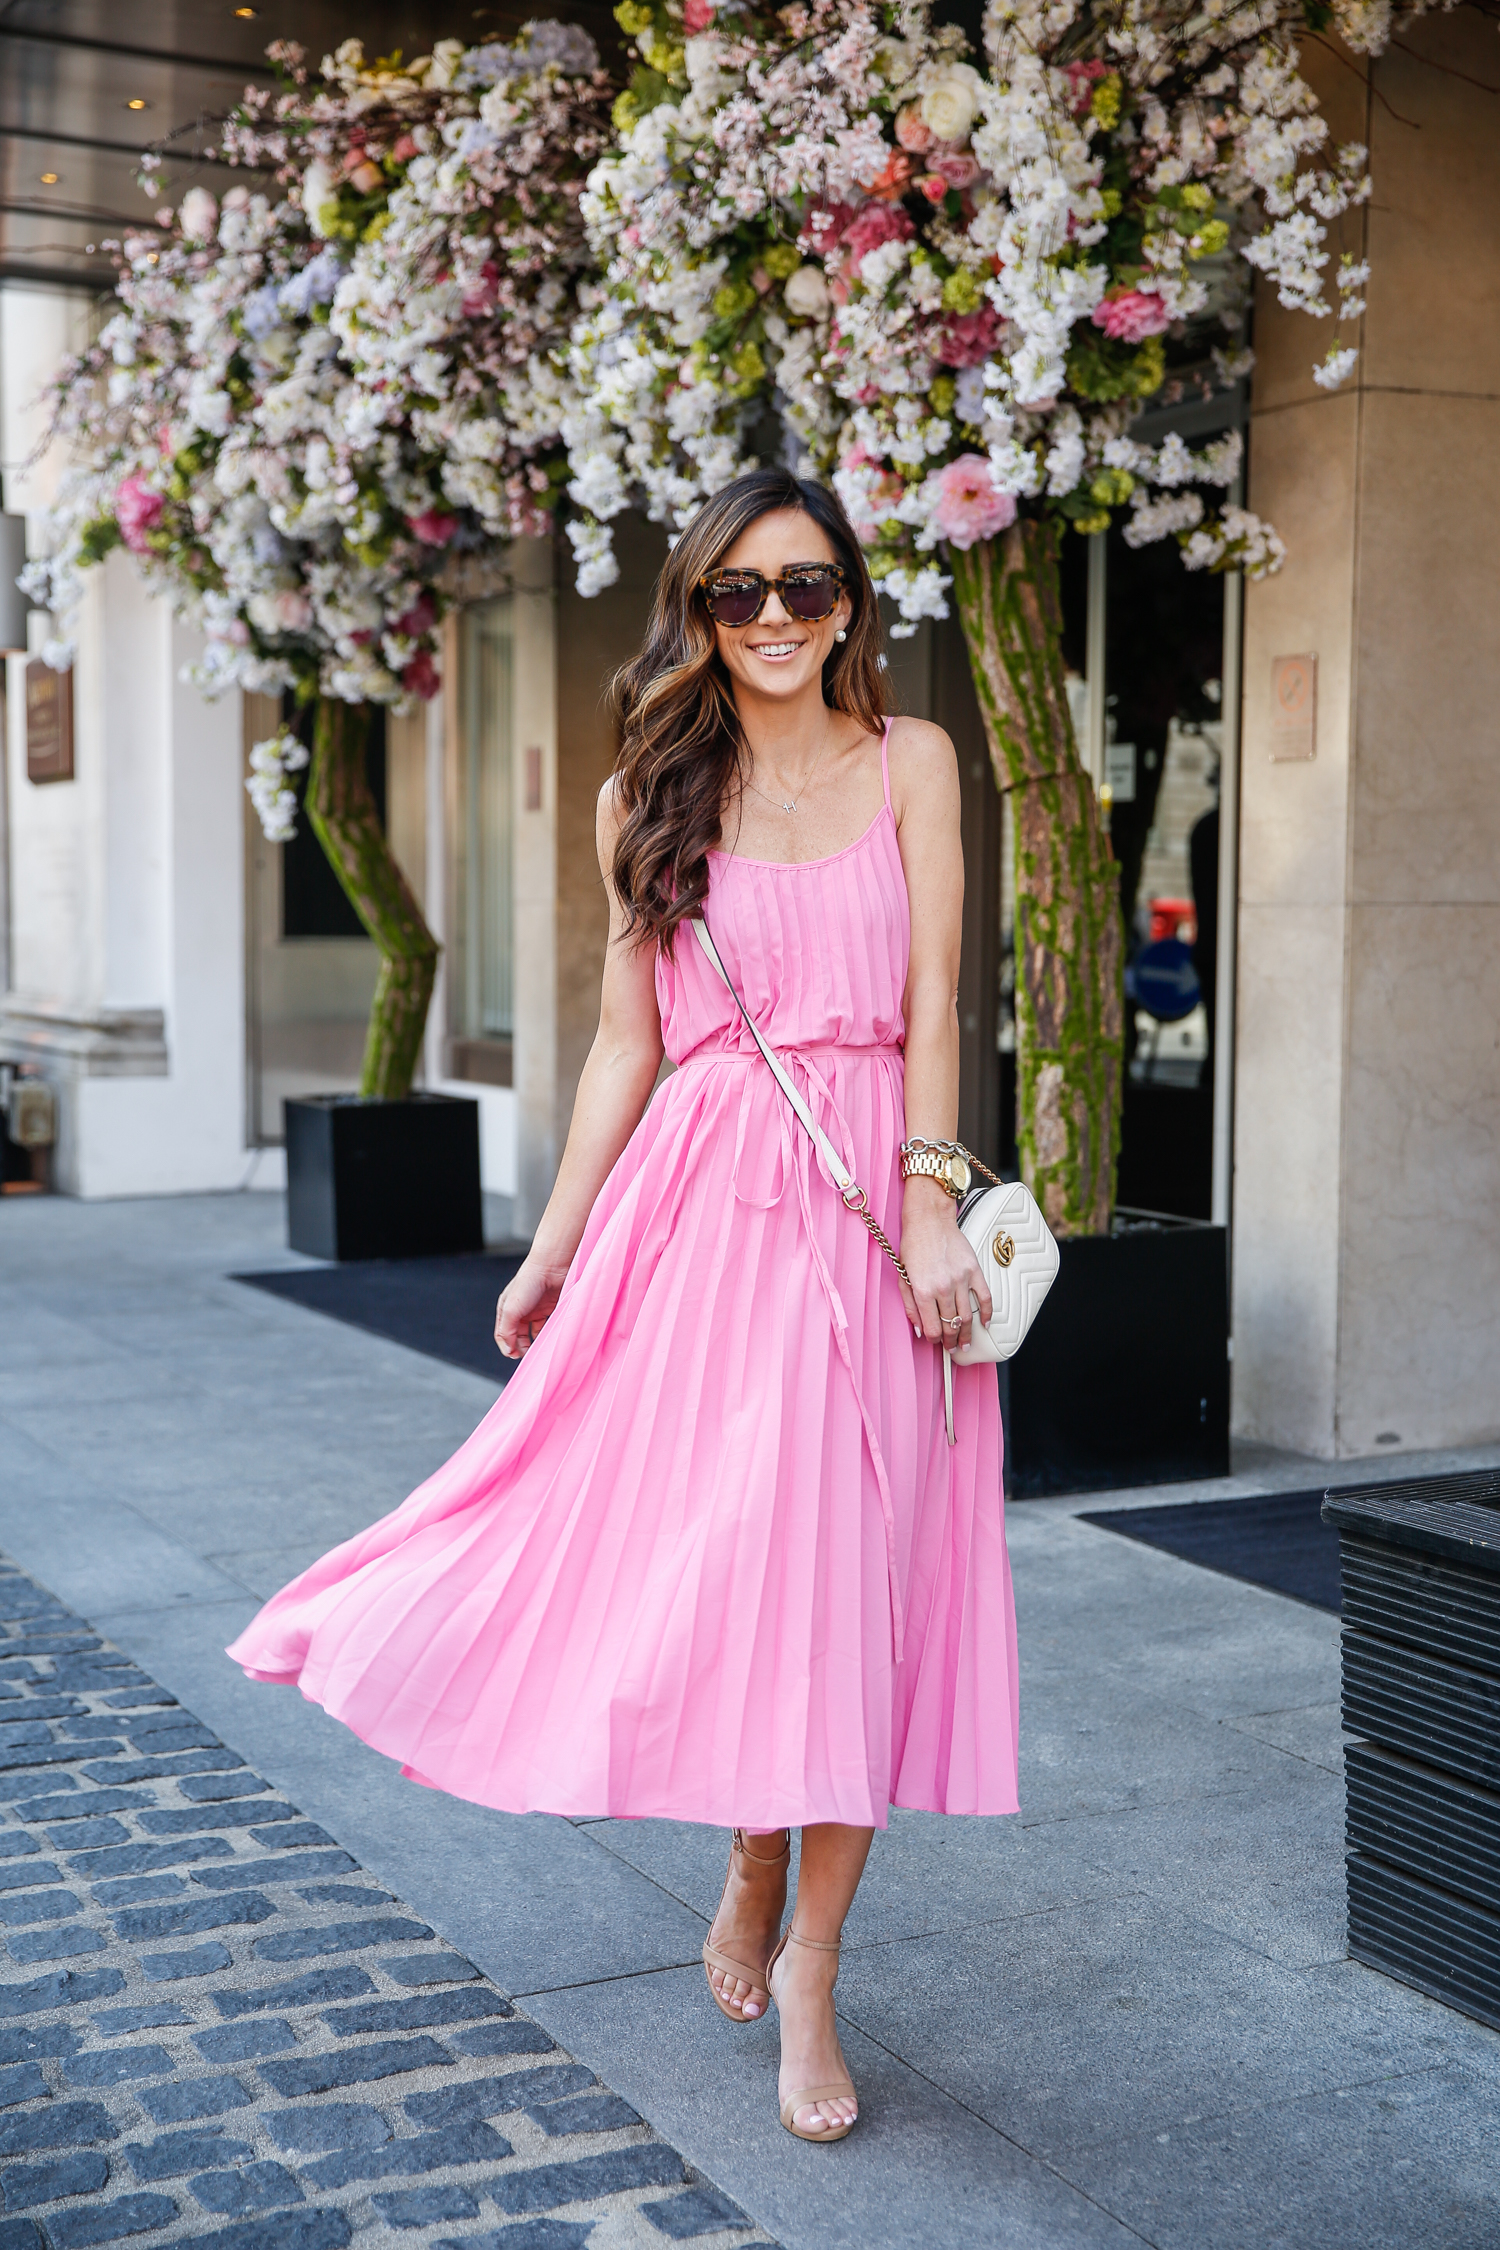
[483, 1016]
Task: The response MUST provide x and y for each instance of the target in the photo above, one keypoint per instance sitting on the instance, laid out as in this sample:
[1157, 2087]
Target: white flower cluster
[273, 798]
[1238, 540]
[1077, 204]
[455, 310]
[311, 403]
[711, 220]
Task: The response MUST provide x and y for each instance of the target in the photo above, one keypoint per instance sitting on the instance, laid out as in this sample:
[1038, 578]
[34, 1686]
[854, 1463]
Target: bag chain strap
[854, 1199]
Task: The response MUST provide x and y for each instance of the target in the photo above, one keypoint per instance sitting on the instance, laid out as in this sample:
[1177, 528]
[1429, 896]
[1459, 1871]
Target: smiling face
[779, 657]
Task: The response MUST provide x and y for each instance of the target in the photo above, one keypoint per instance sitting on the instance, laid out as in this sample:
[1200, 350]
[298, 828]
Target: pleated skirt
[709, 1557]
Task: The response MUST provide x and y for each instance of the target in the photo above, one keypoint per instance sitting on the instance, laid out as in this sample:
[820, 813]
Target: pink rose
[932, 185]
[1081, 77]
[968, 507]
[697, 15]
[910, 130]
[421, 677]
[823, 227]
[433, 528]
[419, 619]
[137, 511]
[968, 338]
[956, 165]
[1131, 315]
[405, 149]
[366, 177]
[483, 295]
[876, 223]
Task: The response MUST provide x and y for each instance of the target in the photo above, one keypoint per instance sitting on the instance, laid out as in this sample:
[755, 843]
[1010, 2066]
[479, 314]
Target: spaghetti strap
[885, 762]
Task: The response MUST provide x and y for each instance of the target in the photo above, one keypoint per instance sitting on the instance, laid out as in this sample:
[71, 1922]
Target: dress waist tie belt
[797, 1150]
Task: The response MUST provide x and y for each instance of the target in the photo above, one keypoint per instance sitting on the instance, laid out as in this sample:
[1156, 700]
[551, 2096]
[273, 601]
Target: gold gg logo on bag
[1003, 1249]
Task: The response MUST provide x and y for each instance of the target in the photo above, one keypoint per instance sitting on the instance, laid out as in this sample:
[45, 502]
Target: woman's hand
[943, 1269]
[525, 1304]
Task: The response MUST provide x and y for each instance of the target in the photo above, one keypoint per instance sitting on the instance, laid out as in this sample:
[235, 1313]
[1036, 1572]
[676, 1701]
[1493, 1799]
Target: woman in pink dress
[710, 1557]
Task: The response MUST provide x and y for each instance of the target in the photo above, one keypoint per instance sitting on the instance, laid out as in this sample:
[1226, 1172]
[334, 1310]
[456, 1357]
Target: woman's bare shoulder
[922, 757]
[609, 817]
[609, 810]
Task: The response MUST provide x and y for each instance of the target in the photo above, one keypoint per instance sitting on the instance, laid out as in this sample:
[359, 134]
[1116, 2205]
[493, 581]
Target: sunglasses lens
[734, 601]
[811, 595]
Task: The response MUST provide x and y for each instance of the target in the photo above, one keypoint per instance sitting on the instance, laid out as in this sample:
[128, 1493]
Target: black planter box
[1124, 1378]
[372, 1179]
[1420, 1570]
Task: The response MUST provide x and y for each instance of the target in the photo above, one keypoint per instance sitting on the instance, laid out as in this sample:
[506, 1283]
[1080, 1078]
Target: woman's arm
[925, 794]
[612, 1094]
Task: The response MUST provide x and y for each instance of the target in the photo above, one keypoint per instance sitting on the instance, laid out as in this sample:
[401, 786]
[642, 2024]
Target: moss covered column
[1069, 941]
[347, 825]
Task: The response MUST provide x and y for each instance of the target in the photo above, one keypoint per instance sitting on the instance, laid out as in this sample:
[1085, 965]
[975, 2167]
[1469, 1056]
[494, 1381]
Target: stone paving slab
[217, 2032]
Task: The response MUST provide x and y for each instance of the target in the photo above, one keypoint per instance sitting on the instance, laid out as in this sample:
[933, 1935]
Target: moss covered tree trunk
[347, 825]
[1069, 941]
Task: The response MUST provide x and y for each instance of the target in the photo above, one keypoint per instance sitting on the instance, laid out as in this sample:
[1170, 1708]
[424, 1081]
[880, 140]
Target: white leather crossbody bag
[1002, 1224]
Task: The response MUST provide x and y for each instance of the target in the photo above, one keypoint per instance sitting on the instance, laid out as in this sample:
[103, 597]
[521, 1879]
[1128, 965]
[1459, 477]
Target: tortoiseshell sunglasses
[807, 591]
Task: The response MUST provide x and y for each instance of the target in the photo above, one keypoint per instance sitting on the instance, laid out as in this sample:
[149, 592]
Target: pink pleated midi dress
[709, 1557]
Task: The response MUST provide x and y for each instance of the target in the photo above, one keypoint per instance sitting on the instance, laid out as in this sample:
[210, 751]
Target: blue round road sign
[1162, 980]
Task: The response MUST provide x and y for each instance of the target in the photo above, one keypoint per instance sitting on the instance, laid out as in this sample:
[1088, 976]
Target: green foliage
[99, 538]
[1100, 368]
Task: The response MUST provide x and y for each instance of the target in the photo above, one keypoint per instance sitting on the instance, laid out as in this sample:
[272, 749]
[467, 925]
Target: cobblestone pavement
[220, 2034]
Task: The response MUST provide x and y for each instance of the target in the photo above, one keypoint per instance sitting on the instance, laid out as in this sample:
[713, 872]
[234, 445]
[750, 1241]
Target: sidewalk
[1125, 2017]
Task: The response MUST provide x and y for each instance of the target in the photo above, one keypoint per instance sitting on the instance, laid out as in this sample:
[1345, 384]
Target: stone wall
[1367, 1194]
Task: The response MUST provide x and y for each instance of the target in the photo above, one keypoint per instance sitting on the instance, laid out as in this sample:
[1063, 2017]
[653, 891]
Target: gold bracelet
[942, 1161]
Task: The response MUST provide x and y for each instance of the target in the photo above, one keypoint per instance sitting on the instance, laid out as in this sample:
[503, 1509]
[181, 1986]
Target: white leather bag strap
[843, 1178]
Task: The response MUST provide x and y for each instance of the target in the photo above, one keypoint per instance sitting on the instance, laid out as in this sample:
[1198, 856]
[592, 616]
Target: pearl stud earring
[841, 635]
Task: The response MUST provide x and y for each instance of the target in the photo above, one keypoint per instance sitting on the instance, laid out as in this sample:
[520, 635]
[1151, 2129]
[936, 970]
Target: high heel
[715, 1958]
[843, 2090]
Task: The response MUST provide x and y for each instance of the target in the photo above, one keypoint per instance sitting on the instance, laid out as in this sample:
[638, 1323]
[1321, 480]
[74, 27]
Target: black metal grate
[1440, 1713]
[1444, 1831]
[1424, 1601]
[1446, 1946]
[1420, 1575]
[1454, 1516]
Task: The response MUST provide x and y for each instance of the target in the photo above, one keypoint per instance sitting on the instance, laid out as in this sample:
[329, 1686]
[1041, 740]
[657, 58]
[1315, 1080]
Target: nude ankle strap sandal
[715, 1958]
[843, 2088]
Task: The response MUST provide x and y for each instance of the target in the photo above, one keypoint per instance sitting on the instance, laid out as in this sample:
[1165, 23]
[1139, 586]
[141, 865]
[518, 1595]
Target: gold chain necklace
[789, 804]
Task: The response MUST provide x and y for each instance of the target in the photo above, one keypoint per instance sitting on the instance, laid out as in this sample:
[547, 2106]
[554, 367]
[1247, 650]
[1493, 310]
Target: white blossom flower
[917, 594]
[1335, 368]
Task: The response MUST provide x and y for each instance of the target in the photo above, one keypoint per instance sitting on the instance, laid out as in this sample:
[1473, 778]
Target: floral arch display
[492, 290]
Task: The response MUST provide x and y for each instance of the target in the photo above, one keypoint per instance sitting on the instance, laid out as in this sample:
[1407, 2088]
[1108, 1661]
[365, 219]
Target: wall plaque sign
[49, 723]
[1119, 771]
[1294, 706]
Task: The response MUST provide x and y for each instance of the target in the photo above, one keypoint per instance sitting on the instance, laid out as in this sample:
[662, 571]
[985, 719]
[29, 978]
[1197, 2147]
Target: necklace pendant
[788, 807]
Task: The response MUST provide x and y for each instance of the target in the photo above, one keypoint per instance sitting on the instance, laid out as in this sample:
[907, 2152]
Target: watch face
[959, 1174]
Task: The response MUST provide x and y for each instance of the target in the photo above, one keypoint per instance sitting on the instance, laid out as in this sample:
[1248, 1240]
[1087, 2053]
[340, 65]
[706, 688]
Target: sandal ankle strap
[814, 1944]
[762, 1859]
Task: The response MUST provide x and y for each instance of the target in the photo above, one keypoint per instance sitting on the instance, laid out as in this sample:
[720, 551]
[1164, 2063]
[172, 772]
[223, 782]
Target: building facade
[1303, 783]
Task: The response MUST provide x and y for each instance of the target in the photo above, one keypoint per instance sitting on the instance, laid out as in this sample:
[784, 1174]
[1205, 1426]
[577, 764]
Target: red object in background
[1174, 917]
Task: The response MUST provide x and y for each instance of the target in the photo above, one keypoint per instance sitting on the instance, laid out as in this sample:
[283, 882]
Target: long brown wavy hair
[681, 743]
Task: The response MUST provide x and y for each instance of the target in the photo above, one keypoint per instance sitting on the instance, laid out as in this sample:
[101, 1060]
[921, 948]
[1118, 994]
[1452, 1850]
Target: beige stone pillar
[563, 758]
[1367, 1184]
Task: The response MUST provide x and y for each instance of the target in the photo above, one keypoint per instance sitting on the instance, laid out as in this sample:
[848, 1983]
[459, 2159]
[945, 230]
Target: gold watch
[943, 1161]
